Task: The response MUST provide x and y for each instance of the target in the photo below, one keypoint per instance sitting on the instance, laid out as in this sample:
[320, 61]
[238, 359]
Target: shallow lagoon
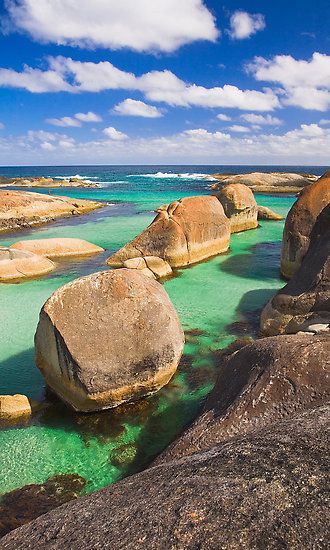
[217, 301]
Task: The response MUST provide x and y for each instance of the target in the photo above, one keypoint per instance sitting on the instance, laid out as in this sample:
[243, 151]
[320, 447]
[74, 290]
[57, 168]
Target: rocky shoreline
[250, 471]
[45, 182]
[264, 182]
[23, 209]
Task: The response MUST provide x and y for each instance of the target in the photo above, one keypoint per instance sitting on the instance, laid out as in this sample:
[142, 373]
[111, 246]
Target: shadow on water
[259, 263]
[248, 312]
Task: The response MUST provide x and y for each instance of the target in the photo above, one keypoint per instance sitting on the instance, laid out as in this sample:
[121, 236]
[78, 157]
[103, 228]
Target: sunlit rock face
[183, 232]
[108, 338]
[240, 206]
[300, 222]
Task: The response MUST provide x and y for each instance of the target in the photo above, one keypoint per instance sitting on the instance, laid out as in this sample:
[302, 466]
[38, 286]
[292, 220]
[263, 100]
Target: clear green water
[210, 297]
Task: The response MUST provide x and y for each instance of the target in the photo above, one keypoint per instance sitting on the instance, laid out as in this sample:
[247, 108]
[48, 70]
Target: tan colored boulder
[108, 338]
[14, 406]
[152, 266]
[18, 265]
[58, 247]
[184, 232]
[21, 209]
[300, 222]
[240, 206]
[265, 213]
[303, 305]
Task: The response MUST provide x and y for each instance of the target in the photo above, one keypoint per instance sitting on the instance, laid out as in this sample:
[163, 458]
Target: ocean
[218, 301]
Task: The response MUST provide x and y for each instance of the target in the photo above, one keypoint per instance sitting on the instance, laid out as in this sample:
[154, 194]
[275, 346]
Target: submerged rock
[265, 490]
[300, 222]
[261, 383]
[239, 205]
[304, 303]
[19, 265]
[108, 338]
[58, 247]
[23, 505]
[21, 209]
[265, 213]
[183, 232]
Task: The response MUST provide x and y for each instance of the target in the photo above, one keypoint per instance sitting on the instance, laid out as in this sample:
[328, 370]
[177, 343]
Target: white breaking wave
[76, 177]
[167, 175]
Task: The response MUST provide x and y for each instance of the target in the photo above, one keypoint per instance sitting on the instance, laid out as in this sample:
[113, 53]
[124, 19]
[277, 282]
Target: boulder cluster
[251, 470]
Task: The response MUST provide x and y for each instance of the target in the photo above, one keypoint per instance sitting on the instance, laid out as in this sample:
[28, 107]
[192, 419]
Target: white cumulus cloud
[132, 107]
[65, 122]
[141, 25]
[160, 86]
[262, 120]
[243, 24]
[239, 129]
[114, 134]
[88, 117]
[223, 117]
[306, 83]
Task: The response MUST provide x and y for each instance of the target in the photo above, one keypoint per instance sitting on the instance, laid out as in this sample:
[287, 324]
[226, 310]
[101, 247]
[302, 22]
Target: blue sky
[164, 81]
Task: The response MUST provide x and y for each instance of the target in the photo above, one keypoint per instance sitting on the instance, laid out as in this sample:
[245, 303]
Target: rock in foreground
[239, 205]
[264, 382]
[272, 182]
[108, 338]
[19, 265]
[183, 232]
[300, 222]
[58, 247]
[304, 303]
[265, 490]
[21, 209]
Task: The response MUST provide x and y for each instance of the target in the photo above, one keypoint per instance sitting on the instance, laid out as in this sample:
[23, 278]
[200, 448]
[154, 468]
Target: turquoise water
[217, 302]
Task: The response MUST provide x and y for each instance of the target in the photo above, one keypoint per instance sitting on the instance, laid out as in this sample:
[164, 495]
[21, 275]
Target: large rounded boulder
[264, 382]
[108, 338]
[304, 303]
[184, 232]
[300, 222]
[240, 206]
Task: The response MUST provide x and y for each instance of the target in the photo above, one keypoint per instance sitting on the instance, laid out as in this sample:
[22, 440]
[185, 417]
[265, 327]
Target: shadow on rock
[23, 505]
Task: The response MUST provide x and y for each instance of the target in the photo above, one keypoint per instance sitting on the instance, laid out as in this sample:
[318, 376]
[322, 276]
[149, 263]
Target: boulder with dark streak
[304, 303]
[300, 222]
[108, 338]
[266, 490]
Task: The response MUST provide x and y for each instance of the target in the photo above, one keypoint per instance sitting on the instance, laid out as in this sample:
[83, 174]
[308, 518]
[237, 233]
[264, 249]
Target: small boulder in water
[19, 265]
[58, 247]
[265, 213]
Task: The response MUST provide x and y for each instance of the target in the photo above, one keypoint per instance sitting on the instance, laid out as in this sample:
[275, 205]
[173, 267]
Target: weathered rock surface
[19, 265]
[300, 222]
[21, 209]
[273, 182]
[239, 205]
[58, 247]
[13, 406]
[305, 301]
[263, 382]
[44, 182]
[108, 338]
[26, 504]
[265, 490]
[265, 213]
[183, 232]
[151, 266]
